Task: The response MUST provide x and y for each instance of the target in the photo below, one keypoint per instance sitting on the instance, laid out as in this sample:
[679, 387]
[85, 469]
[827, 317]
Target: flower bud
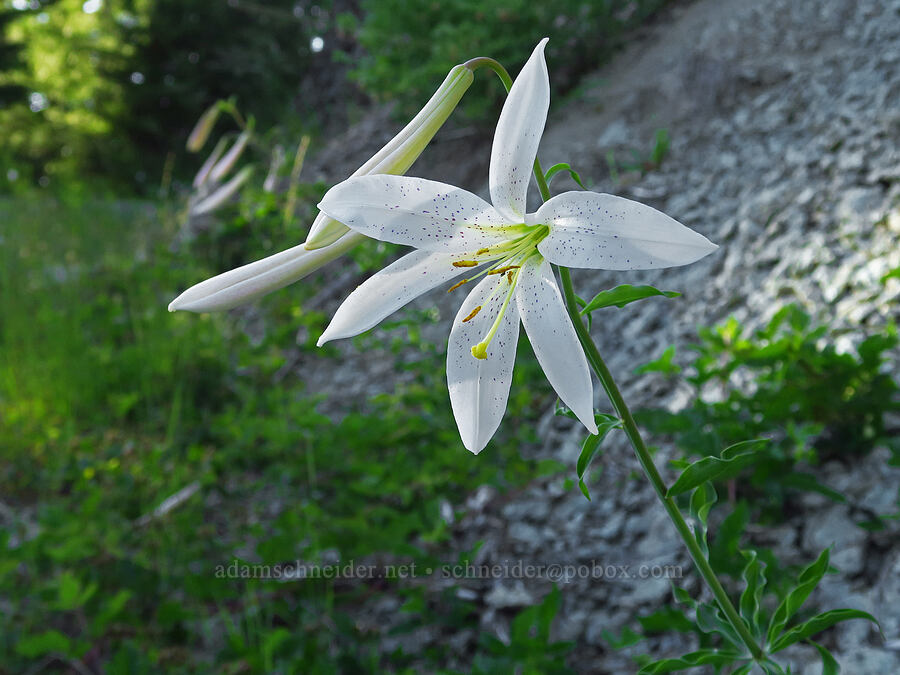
[403, 149]
[203, 128]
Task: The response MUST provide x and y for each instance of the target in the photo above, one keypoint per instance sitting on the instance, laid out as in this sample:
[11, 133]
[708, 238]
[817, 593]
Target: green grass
[111, 405]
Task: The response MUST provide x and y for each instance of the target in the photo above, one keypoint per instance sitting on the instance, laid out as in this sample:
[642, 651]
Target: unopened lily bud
[203, 128]
[403, 149]
[247, 283]
[203, 173]
[275, 164]
[223, 194]
[231, 157]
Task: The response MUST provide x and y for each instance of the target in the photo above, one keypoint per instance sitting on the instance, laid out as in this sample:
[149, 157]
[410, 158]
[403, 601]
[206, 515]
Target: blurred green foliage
[788, 383]
[111, 406]
[411, 45]
[109, 89]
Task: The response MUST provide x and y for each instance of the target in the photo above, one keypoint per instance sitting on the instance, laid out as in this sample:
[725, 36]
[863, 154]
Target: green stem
[628, 423]
[646, 461]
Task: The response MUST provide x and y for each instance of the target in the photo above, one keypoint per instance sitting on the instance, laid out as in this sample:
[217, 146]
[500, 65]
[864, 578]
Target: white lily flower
[456, 231]
[328, 239]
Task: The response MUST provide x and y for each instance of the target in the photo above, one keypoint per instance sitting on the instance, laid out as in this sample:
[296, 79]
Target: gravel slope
[784, 119]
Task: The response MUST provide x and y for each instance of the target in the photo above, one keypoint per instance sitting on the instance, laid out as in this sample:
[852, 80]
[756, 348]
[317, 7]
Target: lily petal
[479, 388]
[554, 340]
[388, 290]
[422, 213]
[255, 279]
[601, 231]
[518, 135]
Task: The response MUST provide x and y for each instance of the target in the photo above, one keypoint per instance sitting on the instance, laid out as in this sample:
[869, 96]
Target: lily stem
[646, 461]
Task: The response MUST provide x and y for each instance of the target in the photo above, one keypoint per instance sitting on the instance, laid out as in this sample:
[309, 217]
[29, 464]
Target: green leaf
[743, 670]
[817, 624]
[665, 619]
[563, 166]
[809, 578]
[32, 646]
[733, 459]
[772, 668]
[111, 609]
[682, 596]
[701, 657]
[662, 365]
[624, 294]
[808, 482]
[628, 638]
[702, 500]
[755, 582]
[591, 446]
[711, 620]
[829, 663]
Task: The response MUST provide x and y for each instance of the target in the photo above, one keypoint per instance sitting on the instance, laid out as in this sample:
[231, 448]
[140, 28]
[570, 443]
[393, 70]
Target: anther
[482, 251]
[504, 270]
[464, 263]
[457, 285]
[472, 314]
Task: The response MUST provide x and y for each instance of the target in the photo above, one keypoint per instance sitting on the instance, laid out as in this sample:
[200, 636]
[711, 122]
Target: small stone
[502, 596]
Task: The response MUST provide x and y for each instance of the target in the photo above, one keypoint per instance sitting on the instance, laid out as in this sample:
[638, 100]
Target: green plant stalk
[628, 423]
[646, 461]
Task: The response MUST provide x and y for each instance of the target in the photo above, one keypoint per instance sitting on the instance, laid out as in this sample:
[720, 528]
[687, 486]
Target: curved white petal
[388, 290]
[518, 135]
[554, 341]
[255, 279]
[479, 388]
[417, 212]
[600, 231]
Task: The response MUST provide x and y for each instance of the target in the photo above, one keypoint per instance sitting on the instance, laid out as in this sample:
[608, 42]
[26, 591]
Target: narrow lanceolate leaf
[624, 294]
[754, 583]
[682, 596]
[769, 667]
[702, 500]
[711, 620]
[559, 168]
[591, 446]
[829, 663]
[701, 657]
[733, 459]
[809, 578]
[817, 624]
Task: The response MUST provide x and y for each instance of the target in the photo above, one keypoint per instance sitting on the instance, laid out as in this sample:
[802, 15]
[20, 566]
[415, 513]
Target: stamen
[479, 351]
[457, 285]
[509, 276]
[472, 314]
[503, 270]
[482, 251]
[464, 263]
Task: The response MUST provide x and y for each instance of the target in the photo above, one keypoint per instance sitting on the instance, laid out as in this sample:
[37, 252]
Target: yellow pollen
[473, 314]
[464, 263]
[482, 250]
[504, 270]
[509, 276]
[457, 285]
[479, 351]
